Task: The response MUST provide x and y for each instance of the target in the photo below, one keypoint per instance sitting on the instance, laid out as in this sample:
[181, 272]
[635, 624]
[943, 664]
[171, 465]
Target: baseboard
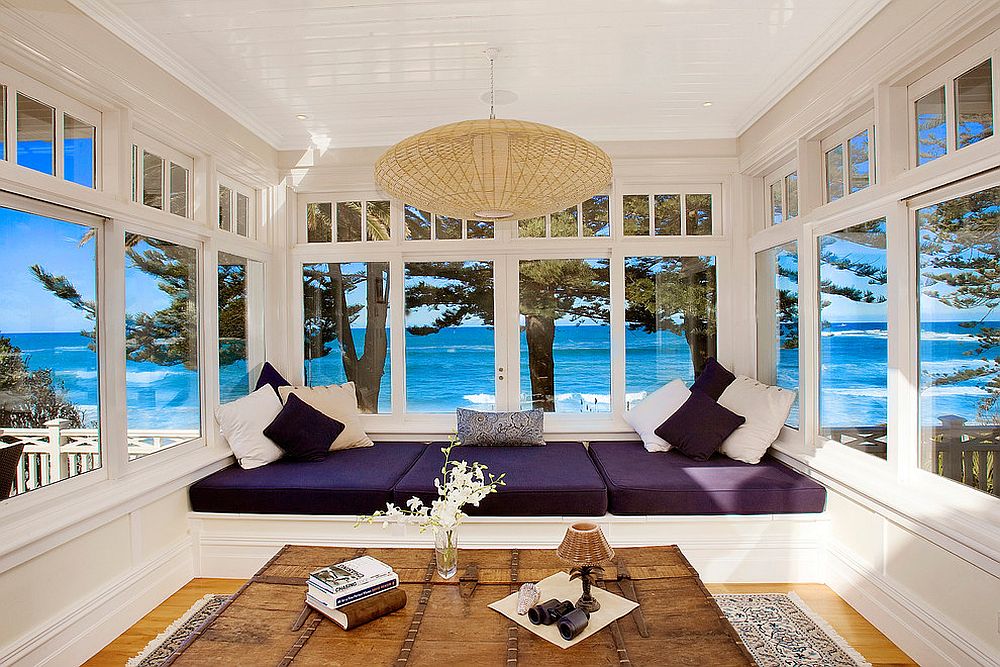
[77, 634]
[910, 624]
[722, 548]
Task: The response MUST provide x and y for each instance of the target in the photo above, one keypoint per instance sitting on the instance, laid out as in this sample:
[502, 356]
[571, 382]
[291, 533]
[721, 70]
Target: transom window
[348, 221]
[589, 218]
[237, 208]
[424, 226]
[161, 177]
[781, 188]
[952, 109]
[676, 214]
[849, 159]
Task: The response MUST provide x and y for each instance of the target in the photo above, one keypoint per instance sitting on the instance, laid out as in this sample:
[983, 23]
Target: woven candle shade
[584, 545]
[493, 170]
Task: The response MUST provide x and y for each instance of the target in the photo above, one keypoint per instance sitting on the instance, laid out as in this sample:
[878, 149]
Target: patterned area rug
[782, 631]
[779, 629]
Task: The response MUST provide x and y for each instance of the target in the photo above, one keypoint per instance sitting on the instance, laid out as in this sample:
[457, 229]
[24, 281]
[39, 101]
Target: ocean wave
[71, 348]
[149, 377]
[950, 365]
[945, 335]
[955, 390]
[481, 399]
[80, 375]
[865, 392]
[857, 333]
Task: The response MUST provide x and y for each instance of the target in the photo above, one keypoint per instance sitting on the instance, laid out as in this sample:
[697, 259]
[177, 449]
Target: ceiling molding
[105, 13]
[845, 28]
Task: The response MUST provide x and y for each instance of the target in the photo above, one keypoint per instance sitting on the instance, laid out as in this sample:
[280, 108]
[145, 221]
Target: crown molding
[106, 14]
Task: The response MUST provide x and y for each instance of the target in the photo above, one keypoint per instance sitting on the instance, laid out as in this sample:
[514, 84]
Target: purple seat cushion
[640, 482]
[350, 481]
[557, 479]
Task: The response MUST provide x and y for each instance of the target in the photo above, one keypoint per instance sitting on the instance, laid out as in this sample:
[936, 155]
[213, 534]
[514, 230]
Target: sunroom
[345, 333]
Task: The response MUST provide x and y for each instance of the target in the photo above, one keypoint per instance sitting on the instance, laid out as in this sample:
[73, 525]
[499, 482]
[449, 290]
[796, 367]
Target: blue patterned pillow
[501, 429]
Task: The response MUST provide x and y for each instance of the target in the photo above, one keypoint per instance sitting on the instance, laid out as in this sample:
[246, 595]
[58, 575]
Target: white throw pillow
[242, 423]
[653, 410]
[340, 402]
[765, 408]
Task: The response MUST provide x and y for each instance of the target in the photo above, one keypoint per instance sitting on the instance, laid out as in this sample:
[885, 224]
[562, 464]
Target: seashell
[527, 597]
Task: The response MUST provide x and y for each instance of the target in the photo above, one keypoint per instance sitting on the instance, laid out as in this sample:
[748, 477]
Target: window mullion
[617, 280]
[111, 342]
[397, 334]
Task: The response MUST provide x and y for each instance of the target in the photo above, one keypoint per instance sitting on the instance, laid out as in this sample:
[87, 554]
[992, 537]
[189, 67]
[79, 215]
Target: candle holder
[585, 548]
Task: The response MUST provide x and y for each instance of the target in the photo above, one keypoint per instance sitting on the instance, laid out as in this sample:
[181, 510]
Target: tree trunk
[540, 334]
[372, 362]
[698, 341]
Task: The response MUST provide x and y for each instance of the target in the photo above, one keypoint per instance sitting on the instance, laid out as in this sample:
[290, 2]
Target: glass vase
[446, 552]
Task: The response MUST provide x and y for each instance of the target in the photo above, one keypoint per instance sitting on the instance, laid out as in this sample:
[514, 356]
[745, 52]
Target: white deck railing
[57, 452]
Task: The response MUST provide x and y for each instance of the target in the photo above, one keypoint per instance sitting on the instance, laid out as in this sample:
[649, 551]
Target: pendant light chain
[492, 93]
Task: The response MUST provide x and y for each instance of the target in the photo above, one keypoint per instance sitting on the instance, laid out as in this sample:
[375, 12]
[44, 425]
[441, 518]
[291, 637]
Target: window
[423, 226]
[347, 221]
[782, 193]
[565, 340]
[677, 214]
[49, 381]
[79, 151]
[778, 320]
[853, 312]
[3, 122]
[958, 256]
[161, 177]
[952, 108]
[241, 324]
[36, 135]
[590, 218]
[236, 208]
[162, 332]
[346, 316]
[449, 326]
[670, 317]
[849, 156]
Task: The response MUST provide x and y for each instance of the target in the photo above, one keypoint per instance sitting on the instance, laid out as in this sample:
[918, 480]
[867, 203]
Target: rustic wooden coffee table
[447, 623]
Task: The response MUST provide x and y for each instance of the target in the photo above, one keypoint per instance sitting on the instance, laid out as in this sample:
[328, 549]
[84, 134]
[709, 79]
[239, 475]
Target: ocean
[455, 368]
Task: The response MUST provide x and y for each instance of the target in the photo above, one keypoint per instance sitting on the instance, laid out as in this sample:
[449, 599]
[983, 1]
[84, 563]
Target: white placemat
[560, 587]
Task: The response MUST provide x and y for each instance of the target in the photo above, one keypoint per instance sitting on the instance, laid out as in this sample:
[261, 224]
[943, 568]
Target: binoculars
[570, 620]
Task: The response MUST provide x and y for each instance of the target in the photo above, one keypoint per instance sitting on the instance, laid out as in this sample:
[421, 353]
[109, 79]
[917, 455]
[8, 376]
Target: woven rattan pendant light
[493, 169]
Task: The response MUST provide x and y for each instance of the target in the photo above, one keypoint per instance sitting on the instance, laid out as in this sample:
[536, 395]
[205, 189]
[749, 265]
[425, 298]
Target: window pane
[447, 228]
[152, 180]
[3, 123]
[776, 203]
[792, 191]
[79, 158]
[835, 173]
[241, 324]
[932, 139]
[449, 326]
[670, 305]
[36, 135]
[242, 214]
[162, 372]
[418, 223]
[778, 320]
[531, 228]
[854, 337]
[479, 229]
[346, 310]
[225, 208]
[135, 169]
[959, 252]
[348, 221]
[699, 214]
[319, 222]
[596, 216]
[857, 154]
[974, 104]
[48, 349]
[565, 335]
[563, 223]
[635, 215]
[178, 190]
[378, 220]
[667, 214]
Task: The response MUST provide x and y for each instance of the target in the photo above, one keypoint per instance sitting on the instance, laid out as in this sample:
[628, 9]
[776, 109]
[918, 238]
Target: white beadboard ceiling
[370, 72]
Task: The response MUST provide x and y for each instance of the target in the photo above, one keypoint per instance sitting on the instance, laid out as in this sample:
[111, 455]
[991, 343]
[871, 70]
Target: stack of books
[355, 592]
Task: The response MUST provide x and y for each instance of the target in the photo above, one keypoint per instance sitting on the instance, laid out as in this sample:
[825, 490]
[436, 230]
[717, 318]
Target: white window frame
[944, 77]
[780, 175]
[685, 189]
[251, 193]
[302, 228]
[579, 224]
[143, 142]
[63, 105]
[842, 137]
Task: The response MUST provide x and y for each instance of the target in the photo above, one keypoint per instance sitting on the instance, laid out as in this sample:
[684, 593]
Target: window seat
[559, 479]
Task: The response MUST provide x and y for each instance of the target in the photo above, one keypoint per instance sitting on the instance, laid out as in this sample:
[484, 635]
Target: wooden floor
[858, 632]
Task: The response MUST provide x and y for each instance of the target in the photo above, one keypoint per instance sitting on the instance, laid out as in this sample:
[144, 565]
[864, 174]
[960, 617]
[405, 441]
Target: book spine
[367, 592]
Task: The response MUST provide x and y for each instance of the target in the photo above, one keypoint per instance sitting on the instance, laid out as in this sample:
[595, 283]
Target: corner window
[778, 320]
[162, 334]
[853, 343]
[957, 243]
[49, 375]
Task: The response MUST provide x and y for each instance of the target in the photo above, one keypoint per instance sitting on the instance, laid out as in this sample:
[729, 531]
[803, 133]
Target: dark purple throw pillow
[270, 375]
[699, 427]
[714, 379]
[302, 431]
